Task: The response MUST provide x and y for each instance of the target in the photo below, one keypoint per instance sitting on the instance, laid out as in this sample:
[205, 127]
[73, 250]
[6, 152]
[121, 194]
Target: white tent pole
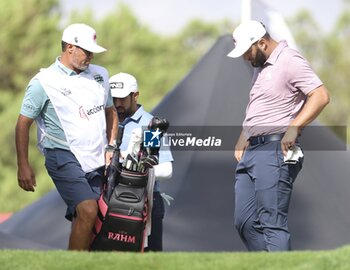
[246, 12]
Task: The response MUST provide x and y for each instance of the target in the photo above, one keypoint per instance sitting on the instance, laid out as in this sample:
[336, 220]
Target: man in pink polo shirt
[286, 95]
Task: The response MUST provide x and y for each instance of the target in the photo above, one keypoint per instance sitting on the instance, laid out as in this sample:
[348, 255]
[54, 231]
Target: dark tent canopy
[214, 94]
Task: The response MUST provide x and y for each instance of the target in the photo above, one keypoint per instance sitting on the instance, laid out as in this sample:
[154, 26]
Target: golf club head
[159, 123]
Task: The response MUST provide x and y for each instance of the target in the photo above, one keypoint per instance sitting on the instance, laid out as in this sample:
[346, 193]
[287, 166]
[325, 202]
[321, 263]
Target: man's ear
[70, 47]
[136, 96]
[262, 44]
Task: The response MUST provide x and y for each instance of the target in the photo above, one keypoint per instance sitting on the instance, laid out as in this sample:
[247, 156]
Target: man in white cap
[132, 115]
[72, 106]
[286, 95]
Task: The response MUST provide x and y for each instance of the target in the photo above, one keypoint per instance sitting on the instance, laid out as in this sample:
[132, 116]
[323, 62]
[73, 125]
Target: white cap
[245, 35]
[122, 84]
[83, 36]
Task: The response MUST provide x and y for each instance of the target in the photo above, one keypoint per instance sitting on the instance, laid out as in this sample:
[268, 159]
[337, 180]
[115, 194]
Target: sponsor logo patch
[98, 78]
[28, 107]
[116, 85]
[86, 113]
[65, 91]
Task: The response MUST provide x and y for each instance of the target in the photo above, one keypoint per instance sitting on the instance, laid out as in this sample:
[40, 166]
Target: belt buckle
[261, 139]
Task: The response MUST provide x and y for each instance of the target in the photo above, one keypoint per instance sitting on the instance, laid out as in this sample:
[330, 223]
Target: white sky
[169, 16]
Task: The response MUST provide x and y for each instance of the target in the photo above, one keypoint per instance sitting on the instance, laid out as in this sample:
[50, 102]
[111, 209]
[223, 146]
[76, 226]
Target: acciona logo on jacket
[95, 109]
[86, 113]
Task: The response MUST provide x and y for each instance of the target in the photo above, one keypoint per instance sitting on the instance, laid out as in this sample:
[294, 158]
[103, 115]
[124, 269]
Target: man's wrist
[110, 148]
[295, 129]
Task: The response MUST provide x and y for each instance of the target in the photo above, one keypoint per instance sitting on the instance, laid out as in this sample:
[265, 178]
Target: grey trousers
[263, 191]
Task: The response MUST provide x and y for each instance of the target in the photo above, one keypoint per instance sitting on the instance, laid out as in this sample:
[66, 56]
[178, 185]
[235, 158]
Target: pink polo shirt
[279, 90]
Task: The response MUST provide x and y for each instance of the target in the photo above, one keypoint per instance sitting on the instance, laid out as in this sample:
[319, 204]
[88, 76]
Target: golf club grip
[120, 135]
[112, 172]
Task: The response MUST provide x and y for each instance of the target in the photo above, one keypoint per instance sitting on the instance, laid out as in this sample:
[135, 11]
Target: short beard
[82, 67]
[123, 115]
[260, 59]
[79, 65]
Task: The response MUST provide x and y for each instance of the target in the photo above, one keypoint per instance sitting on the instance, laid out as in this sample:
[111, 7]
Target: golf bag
[125, 204]
[121, 220]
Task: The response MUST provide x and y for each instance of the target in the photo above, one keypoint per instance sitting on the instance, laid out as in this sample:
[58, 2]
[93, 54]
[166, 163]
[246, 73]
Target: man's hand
[289, 138]
[108, 157]
[26, 178]
[240, 147]
[25, 173]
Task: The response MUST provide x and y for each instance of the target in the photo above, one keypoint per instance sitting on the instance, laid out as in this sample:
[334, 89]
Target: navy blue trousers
[263, 191]
[155, 239]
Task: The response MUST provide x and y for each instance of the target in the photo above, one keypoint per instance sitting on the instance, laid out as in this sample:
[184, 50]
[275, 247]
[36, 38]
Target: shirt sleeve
[109, 102]
[34, 99]
[301, 75]
[165, 154]
[104, 73]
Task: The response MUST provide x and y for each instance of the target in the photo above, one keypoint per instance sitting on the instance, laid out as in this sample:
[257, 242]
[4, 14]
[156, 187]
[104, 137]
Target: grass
[61, 260]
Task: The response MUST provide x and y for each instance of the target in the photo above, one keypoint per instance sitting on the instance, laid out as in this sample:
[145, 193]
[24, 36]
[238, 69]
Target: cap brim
[94, 48]
[239, 51]
[118, 93]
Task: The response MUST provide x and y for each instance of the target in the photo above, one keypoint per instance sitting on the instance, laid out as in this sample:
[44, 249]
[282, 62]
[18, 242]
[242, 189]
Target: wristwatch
[109, 148]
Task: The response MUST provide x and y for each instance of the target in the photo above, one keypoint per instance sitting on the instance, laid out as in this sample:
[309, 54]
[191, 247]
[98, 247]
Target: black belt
[265, 139]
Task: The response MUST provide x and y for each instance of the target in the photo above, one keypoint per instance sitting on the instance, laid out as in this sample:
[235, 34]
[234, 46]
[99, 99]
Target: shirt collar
[276, 52]
[136, 116]
[62, 68]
